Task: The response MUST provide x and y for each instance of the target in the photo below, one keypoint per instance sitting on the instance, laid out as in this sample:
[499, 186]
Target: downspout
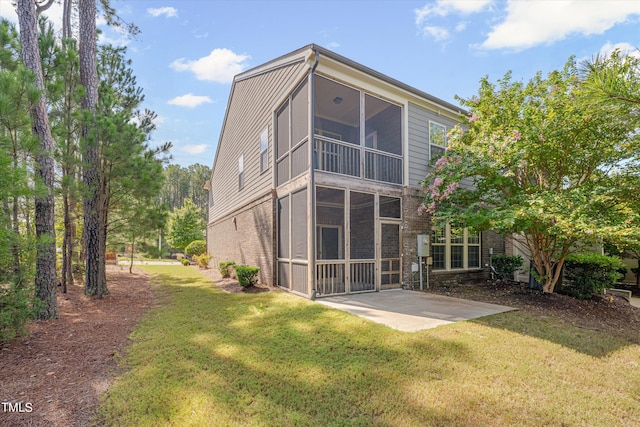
[312, 178]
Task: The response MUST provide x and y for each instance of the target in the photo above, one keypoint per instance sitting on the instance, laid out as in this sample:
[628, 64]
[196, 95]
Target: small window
[437, 141]
[390, 207]
[241, 172]
[264, 150]
[454, 247]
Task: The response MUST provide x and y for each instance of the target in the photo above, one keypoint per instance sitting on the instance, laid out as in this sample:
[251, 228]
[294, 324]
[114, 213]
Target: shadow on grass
[212, 358]
[234, 358]
[587, 341]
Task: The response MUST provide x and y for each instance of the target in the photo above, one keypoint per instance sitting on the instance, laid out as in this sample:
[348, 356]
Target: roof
[303, 52]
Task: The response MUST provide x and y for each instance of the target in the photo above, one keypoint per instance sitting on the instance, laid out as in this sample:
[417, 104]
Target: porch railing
[363, 276]
[337, 157]
[381, 167]
[345, 159]
[331, 278]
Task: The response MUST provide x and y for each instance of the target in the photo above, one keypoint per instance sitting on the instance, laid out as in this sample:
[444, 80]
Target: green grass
[206, 358]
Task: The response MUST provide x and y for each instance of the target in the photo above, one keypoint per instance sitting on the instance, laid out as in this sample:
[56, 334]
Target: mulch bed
[64, 365]
[231, 285]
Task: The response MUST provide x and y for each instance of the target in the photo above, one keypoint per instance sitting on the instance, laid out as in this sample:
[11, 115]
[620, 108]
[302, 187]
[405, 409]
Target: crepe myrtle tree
[541, 163]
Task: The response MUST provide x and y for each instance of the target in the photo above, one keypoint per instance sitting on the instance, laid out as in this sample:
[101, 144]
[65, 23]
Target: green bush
[224, 268]
[247, 274]
[185, 261]
[202, 260]
[506, 265]
[197, 247]
[16, 309]
[589, 273]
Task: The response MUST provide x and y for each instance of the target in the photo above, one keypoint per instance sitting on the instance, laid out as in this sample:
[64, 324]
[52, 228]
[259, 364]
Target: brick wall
[246, 236]
[414, 224]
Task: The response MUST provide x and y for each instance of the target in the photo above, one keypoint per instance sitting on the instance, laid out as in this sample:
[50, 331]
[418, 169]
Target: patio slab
[411, 311]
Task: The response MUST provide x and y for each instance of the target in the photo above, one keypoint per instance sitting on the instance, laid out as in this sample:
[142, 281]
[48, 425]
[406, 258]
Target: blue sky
[188, 51]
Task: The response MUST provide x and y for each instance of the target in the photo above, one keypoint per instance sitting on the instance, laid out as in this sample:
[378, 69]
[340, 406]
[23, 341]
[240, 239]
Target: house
[316, 179]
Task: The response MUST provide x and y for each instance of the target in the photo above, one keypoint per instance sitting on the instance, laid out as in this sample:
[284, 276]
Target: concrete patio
[411, 311]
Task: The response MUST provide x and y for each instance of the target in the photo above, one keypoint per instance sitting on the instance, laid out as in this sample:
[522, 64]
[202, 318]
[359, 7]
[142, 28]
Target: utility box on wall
[423, 245]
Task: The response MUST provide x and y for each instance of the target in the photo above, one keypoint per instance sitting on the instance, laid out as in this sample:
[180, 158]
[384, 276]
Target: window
[454, 247]
[390, 207]
[241, 172]
[264, 150]
[437, 140]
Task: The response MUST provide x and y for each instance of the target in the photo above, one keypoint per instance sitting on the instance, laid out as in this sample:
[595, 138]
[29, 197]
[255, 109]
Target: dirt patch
[607, 313]
[59, 371]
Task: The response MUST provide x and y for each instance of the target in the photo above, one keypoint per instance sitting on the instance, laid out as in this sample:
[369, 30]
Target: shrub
[247, 274]
[197, 247]
[202, 260]
[16, 309]
[587, 274]
[506, 265]
[225, 268]
[185, 261]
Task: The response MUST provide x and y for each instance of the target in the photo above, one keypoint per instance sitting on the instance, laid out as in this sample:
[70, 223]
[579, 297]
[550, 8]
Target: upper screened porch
[355, 133]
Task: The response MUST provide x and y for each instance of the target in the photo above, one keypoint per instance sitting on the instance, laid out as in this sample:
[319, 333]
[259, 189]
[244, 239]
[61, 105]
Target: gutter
[312, 178]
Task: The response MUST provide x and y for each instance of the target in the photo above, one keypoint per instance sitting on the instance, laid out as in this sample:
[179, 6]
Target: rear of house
[317, 176]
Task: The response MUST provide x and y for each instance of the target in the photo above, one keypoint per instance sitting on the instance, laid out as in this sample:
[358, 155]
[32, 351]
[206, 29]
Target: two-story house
[316, 179]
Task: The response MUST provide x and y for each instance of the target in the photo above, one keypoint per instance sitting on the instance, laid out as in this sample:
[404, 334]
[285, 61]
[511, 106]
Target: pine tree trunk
[91, 178]
[45, 281]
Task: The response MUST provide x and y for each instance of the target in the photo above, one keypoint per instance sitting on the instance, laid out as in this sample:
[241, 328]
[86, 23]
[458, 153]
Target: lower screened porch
[355, 244]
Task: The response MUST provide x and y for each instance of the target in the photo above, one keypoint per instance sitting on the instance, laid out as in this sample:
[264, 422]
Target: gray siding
[418, 155]
[249, 112]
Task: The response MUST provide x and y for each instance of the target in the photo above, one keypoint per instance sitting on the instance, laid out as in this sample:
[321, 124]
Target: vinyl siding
[249, 112]
[418, 130]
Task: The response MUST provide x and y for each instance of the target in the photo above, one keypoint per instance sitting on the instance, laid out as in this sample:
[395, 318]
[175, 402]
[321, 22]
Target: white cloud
[438, 33]
[623, 47]
[195, 149]
[190, 100]
[439, 9]
[530, 23]
[169, 12]
[221, 65]
[446, 7]
[461, 26]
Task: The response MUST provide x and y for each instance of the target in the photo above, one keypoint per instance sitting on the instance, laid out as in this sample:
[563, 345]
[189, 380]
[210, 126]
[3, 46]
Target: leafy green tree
[181, 183]
[186, 225]
[130, 171]
[543, 162]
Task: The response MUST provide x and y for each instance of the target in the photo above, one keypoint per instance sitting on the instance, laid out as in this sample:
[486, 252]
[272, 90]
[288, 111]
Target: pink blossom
[440, 163]
[588, 231]
[474, 118]
[517, 135]
[438, 182]
[450, 189]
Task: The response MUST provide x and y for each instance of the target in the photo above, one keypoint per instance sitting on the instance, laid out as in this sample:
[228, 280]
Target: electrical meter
[423, 245]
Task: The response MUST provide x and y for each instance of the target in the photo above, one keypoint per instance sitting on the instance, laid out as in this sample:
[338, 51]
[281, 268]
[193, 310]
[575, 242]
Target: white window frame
[264, 150]
[464, 242]
[435, 144]
[241, 172]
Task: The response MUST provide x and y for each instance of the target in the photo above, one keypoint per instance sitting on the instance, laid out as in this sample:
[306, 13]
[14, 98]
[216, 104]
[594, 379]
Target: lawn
[203, 357]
